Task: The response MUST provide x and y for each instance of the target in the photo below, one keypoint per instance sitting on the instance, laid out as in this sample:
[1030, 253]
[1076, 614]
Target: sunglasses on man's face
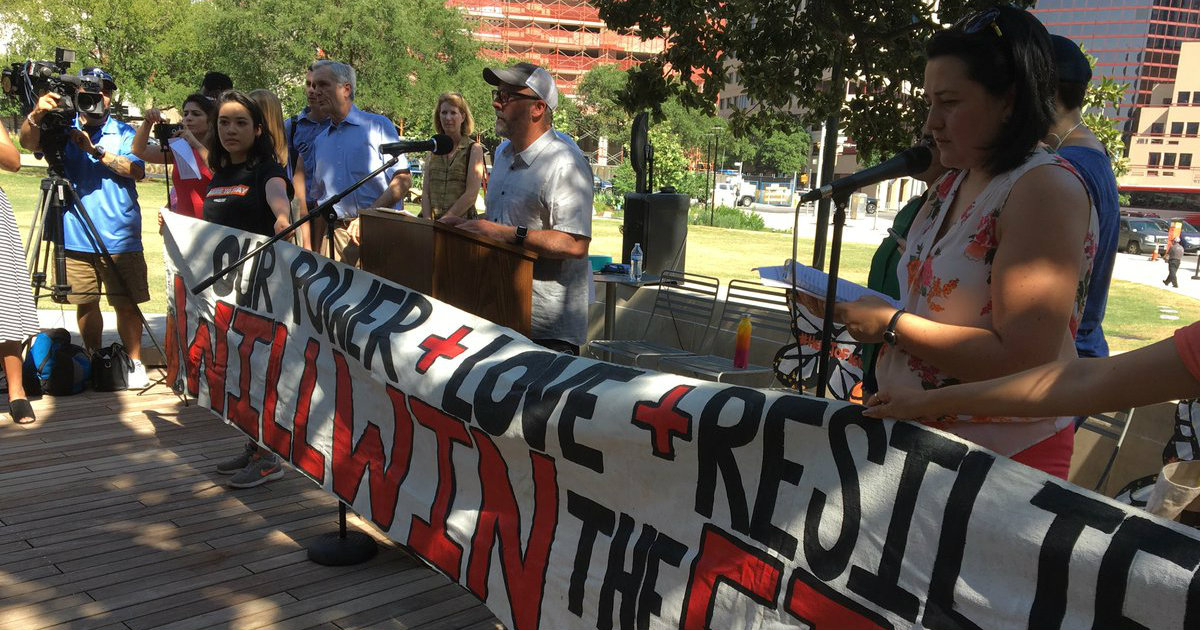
[504, 97]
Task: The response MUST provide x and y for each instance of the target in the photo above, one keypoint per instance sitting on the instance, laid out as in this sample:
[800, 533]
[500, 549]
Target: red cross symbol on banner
[436, 347]
[665, 421]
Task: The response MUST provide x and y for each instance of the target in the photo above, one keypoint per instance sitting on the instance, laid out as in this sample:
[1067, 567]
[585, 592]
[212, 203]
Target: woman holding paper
[996, 265]
[191, 175]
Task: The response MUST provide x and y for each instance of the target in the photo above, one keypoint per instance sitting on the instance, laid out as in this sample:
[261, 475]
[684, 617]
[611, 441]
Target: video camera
[163, 132]
[27, 81]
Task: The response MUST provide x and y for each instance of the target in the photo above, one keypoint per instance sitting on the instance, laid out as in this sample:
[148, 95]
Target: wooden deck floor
[111, 516]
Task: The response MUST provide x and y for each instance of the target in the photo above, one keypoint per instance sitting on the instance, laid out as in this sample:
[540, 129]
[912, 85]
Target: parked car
[872, 205]
[1190, 235]
[1140, 235]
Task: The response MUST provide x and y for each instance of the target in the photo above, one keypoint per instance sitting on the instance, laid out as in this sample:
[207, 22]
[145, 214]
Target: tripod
[56, 198]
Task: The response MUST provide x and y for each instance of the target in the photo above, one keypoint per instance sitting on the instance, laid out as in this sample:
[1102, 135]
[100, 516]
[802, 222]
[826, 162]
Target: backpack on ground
[71, 373]
[40, 359]
[110, 369]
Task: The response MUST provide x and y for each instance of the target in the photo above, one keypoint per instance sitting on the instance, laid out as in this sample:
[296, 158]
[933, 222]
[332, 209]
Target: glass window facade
[1135, 42]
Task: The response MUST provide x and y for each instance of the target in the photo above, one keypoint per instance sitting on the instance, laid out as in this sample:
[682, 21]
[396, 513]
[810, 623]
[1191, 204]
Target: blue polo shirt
[347, 152]
[303, 143]
[110, 200]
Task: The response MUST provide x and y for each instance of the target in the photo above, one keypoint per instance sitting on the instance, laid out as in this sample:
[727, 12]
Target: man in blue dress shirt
[346, 151]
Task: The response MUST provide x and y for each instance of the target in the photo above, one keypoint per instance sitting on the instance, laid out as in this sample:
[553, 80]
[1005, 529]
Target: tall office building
[1135, 42]
[567, 37]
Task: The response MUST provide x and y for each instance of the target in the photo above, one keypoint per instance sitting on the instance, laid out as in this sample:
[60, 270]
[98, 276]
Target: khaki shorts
[87, 271]
[345, 246]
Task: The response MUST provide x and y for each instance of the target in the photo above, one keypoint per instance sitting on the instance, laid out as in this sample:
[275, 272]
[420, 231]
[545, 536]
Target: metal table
[610, 282]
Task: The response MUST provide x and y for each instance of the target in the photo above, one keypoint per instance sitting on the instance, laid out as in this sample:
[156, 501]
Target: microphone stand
[840, 201]
[324, 210]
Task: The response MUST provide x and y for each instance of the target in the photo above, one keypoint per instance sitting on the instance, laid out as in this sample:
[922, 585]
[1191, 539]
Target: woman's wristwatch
[889, 334]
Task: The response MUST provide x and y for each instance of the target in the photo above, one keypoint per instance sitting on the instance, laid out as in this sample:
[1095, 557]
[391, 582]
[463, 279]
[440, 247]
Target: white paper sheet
[185, 159]
[815, 282]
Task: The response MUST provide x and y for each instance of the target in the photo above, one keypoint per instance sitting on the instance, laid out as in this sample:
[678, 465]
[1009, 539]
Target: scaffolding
[567, 37]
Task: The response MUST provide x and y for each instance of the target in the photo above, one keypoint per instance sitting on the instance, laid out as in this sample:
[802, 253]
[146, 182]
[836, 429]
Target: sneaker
[260, 470]
[137, 376]
[235, 464]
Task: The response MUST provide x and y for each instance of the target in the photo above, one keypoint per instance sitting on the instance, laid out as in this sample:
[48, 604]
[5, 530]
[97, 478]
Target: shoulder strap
[291, 144]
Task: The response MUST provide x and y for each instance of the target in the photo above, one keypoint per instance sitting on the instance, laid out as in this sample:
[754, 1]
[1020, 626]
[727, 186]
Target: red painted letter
[500, 518]
[722, 559]
[350, 462]
[429, 538]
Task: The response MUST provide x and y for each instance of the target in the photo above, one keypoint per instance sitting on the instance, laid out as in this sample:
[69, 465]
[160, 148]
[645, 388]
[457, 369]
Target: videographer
[100, 164]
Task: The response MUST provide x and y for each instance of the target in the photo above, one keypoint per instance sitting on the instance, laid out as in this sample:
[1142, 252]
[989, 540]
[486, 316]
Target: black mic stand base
[344, 547]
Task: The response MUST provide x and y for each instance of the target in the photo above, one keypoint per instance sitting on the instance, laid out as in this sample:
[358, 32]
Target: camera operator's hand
[153, 116]
[83, 141]
[47, 102]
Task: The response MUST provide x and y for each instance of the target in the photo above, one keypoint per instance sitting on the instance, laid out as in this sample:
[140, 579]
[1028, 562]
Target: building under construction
[567, 37]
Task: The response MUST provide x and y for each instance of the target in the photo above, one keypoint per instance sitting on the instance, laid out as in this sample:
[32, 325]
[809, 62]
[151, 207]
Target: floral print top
[949, 280]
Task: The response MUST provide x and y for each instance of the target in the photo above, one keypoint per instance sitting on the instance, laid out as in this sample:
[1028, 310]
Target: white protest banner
[570, 493]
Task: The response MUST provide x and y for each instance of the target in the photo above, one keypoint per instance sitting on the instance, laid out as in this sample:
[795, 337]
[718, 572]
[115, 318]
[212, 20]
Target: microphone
[440, 145]
[910, 161]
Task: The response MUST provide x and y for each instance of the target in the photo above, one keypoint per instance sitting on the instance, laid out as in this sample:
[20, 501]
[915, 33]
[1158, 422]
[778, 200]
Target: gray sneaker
[260, 470]
[235, 464]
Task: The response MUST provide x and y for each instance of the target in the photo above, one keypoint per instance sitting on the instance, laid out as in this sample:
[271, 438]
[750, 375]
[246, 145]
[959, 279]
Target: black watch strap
[522, 232]
[889, 334]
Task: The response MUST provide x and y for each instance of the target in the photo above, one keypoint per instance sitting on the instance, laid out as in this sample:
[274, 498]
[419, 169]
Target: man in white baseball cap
[540, 197]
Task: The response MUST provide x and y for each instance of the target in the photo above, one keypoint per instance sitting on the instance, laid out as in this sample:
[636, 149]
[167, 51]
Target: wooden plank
[111, 516]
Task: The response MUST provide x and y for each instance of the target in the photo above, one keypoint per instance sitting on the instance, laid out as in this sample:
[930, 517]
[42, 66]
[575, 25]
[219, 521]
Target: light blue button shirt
[307, 129]
[111, 200]
[347, 152]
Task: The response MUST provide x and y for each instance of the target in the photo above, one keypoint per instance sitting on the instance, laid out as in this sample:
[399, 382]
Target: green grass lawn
[22, 191]
[1132, 320]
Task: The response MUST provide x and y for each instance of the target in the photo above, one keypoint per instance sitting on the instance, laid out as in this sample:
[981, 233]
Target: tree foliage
[783, 53]
[1101, 98]
[405, 52]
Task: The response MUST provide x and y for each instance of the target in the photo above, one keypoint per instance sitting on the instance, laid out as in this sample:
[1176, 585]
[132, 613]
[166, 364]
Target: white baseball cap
[533, 77]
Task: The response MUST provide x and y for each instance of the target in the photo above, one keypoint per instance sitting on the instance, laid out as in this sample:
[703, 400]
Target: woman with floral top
[996, 265]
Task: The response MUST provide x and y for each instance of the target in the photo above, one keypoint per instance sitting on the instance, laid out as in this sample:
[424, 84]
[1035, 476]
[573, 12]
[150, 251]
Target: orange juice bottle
[741, 349]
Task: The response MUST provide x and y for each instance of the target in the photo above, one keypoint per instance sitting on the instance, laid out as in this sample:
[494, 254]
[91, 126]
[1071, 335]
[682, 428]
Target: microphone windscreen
[442, 144]
[920, 157]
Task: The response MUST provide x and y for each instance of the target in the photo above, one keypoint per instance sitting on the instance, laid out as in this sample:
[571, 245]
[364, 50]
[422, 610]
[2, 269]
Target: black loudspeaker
[659, 222]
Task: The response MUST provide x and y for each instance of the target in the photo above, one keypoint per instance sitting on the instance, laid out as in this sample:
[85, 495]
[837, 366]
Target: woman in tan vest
[451, 182]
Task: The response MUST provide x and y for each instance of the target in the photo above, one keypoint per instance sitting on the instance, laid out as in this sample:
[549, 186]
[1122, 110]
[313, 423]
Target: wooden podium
[482, 276]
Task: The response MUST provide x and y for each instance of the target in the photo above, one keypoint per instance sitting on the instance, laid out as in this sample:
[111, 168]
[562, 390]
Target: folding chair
[684, 298]
[1110, 425]
[768, 310]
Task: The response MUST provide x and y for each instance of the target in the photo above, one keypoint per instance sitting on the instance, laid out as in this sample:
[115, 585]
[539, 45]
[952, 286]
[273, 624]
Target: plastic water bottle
[635, 263]
[741, 348]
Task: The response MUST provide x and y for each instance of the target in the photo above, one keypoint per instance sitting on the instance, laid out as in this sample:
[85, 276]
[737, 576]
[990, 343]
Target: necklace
[1063, 138]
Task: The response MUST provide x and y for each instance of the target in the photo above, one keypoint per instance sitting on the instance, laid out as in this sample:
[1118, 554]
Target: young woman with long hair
[249, 191]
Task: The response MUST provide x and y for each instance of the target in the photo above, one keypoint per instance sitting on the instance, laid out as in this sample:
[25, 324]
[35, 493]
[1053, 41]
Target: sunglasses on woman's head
[981, 21]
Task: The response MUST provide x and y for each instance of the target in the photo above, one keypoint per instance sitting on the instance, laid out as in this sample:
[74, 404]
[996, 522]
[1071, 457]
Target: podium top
[391, 214]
